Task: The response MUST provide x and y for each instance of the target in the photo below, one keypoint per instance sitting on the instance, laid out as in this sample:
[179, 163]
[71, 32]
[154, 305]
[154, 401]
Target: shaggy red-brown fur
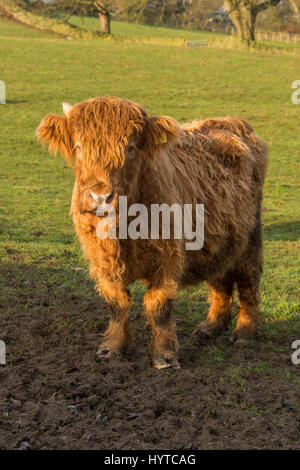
[119, 150]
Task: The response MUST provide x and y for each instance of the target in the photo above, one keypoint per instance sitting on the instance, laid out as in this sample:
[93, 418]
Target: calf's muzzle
[102, 198]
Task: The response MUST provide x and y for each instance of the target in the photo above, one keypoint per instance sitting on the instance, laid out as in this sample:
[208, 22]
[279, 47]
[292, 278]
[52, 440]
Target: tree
[296, 8]
[152, 12]
[103, 8]
[243, 14]
[199, 13]
[133, 10]
[142, 11]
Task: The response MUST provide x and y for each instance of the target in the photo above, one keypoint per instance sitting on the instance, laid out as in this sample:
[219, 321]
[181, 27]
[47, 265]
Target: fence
[277, 37]
[271, 36]
[262, 35]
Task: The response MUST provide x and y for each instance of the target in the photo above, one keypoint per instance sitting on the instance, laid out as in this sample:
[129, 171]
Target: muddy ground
[55, 395]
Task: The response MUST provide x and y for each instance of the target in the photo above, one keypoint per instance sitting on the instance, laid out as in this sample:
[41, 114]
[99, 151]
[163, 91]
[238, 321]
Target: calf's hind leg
[248, 289]
[219, 316]
[164, 344]
[247, 277]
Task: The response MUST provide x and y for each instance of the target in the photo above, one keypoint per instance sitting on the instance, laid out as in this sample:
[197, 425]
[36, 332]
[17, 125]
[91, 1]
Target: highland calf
[119, 151]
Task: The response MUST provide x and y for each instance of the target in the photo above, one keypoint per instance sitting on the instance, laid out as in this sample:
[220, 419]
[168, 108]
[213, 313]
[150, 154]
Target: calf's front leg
[117, 335]
[164, 344]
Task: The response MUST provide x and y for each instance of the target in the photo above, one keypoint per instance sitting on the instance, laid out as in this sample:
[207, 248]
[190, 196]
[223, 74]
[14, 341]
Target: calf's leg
[219, 315]
[117, 335]
[248, 289]
[158, 309]
[247, 278]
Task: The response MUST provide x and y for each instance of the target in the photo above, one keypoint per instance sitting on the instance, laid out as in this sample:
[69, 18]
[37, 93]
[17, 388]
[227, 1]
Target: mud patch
[54, 394]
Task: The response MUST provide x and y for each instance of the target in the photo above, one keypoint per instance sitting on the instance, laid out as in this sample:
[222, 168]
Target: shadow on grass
[16, 101]
[35, 291]
[288, 231]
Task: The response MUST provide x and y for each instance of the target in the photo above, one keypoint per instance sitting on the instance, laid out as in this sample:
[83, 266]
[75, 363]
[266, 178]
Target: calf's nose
[100, 198]
[109, 197]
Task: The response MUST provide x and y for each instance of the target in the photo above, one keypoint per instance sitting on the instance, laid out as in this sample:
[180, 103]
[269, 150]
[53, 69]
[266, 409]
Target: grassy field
[121, 28]
[11, 29]
[39, 252]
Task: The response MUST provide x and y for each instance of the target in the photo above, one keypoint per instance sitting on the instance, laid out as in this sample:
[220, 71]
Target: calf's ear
[159, 133]
[54, 130]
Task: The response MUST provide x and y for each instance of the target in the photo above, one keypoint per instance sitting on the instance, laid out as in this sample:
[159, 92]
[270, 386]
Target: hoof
[165, 361]
[241, 338]
[207, 330]
[105, 352]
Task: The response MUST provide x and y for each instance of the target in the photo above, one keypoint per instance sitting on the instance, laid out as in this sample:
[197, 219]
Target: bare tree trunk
[253, 15]
[104, 22]
[243, 18]
[296, 9]
[243, 14]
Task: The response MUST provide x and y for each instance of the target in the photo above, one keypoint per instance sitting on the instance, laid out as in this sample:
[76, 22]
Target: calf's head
[109, 140]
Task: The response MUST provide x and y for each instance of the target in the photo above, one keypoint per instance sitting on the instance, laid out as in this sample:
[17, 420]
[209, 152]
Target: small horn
[66, 108]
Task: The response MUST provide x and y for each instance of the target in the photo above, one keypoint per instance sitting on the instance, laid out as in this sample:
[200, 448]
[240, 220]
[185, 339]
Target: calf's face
[109, 140]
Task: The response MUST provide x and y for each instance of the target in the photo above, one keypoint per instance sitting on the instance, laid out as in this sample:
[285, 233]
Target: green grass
[10, 29]
[280, 44]
[134, 30]
[35, 229]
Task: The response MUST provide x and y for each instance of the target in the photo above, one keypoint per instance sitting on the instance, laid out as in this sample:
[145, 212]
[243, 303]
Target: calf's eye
[78, 150]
